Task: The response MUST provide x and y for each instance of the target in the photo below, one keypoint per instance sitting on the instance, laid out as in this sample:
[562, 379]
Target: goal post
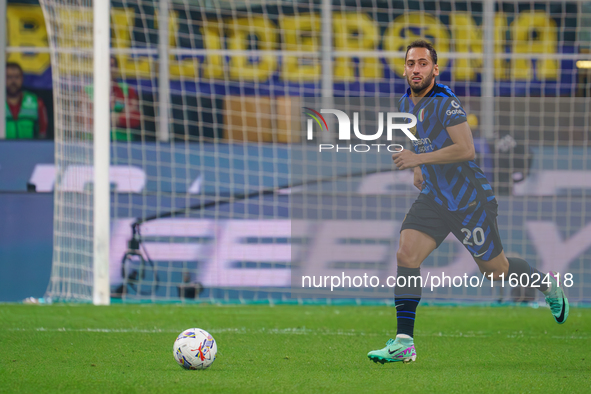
[101, 292]
[79, 32]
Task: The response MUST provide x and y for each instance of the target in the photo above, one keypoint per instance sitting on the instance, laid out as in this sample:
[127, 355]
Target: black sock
[518, 266]
[407, 298]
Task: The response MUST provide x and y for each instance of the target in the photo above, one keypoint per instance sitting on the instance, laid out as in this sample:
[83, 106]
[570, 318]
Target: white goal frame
[101, 294]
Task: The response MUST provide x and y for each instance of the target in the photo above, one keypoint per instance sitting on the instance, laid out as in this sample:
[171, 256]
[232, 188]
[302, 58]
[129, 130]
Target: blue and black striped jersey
[456, 186]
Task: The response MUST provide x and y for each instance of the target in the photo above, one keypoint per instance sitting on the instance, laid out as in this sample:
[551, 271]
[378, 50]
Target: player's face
[14, 81]
[419, 69]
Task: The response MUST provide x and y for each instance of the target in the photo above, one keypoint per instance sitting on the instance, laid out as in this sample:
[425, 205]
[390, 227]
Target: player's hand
[406, 159]
[418, 180]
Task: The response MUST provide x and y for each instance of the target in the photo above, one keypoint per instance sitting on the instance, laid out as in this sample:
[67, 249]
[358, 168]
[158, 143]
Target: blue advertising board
[548, 222]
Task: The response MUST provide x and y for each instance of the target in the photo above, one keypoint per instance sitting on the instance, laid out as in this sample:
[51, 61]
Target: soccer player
[455, 197]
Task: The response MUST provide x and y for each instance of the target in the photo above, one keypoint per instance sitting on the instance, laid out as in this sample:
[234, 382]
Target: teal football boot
[400, 349]
[557, 301]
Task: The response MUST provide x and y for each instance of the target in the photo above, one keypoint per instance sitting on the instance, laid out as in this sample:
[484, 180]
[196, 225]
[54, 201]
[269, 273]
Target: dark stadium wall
[26, 244]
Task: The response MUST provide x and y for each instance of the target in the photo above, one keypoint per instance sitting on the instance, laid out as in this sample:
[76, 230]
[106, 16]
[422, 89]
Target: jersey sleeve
[451, 112]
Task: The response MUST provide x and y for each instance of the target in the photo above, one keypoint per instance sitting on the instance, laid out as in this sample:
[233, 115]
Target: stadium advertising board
[532, 31]
[554, 232]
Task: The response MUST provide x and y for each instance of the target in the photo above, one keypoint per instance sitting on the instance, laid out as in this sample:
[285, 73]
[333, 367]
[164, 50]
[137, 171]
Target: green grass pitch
[291, 349]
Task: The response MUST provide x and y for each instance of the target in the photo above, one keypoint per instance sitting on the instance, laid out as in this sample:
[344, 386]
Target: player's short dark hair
[422, 44]
[14, 65]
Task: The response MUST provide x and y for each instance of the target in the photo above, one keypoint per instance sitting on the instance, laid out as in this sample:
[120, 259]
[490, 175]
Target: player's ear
[436, 70]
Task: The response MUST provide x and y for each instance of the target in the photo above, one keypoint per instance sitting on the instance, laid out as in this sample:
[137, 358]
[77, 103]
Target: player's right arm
[462, 148]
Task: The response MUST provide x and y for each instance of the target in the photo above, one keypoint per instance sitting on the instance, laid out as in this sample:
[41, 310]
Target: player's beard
[419, 88]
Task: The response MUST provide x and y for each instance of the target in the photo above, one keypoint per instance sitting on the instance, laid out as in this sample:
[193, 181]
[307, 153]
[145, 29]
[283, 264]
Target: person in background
[26, 115]
[125, 112]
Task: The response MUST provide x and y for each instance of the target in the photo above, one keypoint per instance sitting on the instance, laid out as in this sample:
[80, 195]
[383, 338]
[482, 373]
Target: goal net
[221, 189]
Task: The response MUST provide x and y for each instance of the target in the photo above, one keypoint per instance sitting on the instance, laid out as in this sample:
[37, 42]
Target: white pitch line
[300, 331]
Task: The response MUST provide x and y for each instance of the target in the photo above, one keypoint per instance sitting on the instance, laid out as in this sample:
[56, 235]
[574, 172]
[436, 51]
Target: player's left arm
[461, 150]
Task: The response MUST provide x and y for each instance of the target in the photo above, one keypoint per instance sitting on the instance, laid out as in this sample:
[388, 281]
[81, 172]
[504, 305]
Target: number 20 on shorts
[477, 236]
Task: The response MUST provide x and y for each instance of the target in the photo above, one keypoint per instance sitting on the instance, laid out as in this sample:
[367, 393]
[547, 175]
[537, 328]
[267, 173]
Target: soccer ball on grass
[195, 349]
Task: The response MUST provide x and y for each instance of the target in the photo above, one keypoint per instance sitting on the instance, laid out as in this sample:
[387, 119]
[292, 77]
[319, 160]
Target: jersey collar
[429, 94]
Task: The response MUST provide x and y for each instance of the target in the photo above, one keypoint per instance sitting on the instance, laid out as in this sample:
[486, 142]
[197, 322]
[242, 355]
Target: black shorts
[475, 228]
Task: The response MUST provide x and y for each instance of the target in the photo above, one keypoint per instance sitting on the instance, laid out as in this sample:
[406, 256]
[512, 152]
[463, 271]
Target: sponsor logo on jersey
[455, 112]
[457, 109]
[423, 145]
